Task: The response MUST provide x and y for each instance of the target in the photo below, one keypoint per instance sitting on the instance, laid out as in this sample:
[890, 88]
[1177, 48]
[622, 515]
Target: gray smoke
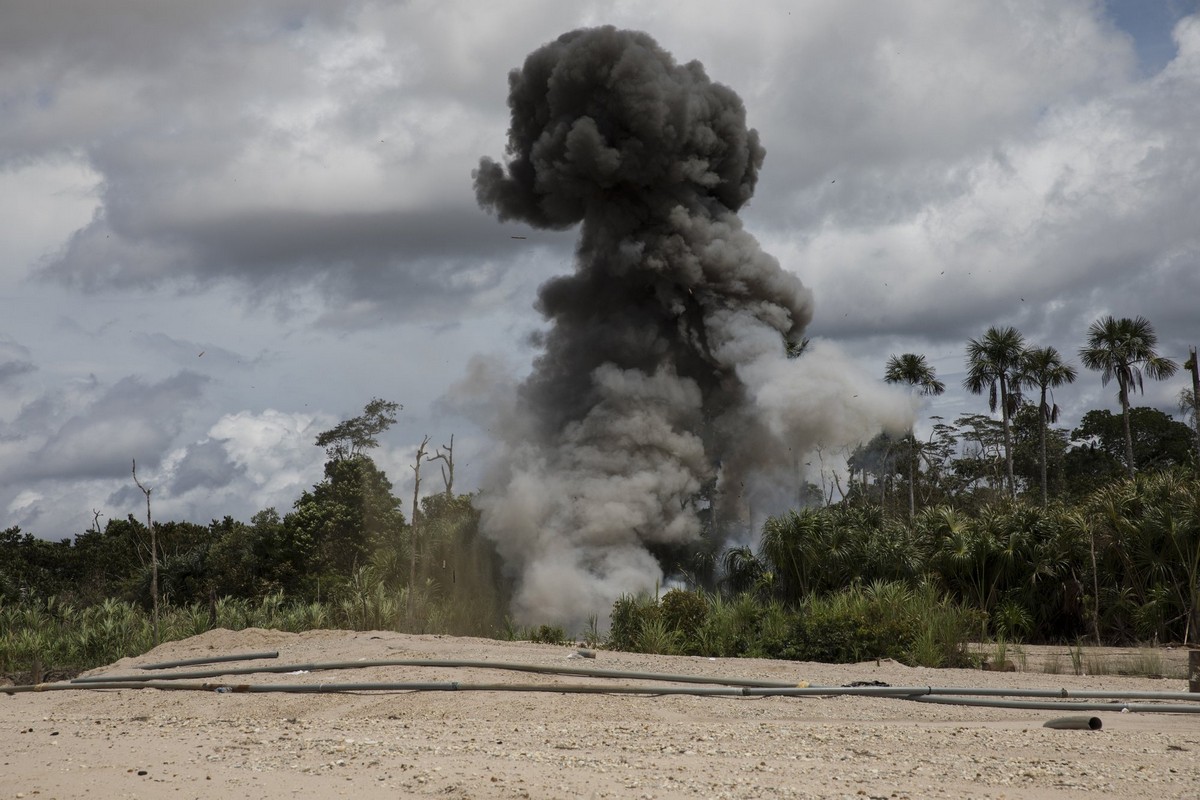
[663, 367]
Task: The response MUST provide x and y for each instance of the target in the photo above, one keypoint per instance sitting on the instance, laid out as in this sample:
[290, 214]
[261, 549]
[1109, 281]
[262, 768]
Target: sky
[227, 226]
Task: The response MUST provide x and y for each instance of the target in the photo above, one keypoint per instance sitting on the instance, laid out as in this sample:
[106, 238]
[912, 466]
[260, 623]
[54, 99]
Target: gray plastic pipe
[410, 662]
[785, 688]
[192, 662]
[917, 693]
[1075, 723]
[1064, 693]
[1054, 705]
[404, 686]
[1052, 699]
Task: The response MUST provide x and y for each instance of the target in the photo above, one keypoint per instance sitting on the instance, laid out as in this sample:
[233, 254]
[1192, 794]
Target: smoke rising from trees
[664, 365]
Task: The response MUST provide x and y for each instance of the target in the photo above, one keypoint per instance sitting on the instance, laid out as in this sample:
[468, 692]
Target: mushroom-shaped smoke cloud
[664, 367]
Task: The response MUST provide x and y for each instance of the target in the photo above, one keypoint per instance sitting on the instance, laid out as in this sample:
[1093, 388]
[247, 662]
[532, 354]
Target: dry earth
[149, 743]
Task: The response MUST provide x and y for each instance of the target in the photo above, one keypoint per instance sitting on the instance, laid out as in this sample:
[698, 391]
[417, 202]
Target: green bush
[548, 634]
[917, 627]
[826, 634]
[821, 635]
[774, 632]
[883, 620]
[657, 637]
[630, 615]
[685, 613]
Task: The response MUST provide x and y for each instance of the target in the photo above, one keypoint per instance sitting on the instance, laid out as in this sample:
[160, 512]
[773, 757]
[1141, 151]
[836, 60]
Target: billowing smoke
[664, 368]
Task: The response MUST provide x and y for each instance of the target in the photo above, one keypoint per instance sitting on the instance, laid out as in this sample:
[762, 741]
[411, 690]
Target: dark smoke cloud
[663, 342]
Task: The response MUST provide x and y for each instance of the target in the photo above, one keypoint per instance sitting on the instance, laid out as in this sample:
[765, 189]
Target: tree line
[1047, 533]
[348, 534]
[1051, 534]
[1003, 366]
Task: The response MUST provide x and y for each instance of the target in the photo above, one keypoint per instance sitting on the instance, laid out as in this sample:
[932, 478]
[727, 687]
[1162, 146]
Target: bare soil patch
[148, 743]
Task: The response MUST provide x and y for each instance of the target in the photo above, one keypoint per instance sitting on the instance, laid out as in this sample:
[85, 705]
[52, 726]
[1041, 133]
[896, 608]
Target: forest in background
[1009, 528]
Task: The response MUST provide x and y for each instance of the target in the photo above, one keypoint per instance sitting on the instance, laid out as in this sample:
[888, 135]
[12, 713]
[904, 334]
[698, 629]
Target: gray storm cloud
[663, 366]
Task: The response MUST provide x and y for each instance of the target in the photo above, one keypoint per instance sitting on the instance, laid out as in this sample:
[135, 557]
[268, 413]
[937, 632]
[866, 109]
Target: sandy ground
[149, 743]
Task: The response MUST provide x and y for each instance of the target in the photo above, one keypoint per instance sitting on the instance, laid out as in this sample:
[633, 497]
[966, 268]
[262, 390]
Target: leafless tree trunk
[153, 556]
[1095, 586]
[838, 484]
[415, 525]
[1193, 365]
[448, 468]
[912, 476]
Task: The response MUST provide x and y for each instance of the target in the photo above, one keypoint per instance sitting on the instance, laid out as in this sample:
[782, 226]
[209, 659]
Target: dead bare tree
[415, 527]
[153, 555]
[448, 467]
[1193, 366]
[837, 483]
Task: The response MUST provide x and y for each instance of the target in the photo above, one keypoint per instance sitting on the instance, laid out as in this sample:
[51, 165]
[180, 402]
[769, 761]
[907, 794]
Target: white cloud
[25, 503]
[274, 448]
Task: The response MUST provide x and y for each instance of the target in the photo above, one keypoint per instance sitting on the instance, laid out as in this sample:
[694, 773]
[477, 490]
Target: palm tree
[1124, 349]
[1044, 368]
[994, 363]
[914, 371]
[792, 548]
[742, 568]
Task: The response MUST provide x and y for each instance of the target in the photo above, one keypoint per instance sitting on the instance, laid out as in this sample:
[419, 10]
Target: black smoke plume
[659, 372]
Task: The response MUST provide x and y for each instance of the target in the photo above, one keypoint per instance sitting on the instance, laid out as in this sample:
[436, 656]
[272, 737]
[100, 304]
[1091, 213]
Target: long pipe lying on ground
[719, 686]
[961, 696]
[453, 664]
[194, 662]
[794, 688]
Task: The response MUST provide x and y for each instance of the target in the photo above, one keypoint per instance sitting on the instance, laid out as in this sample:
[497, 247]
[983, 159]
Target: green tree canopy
[1159, 441]
[353, 436]
[336, 526]
[31, 567]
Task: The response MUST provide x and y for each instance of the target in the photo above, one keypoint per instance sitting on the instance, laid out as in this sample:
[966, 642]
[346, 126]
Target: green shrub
[548, 634]
[775, 625]
[1011, 620]
[916, 627]
[741, 626]
[684, 612]
[629, 616]
[822, 634]
[945, 629]
[658, 637]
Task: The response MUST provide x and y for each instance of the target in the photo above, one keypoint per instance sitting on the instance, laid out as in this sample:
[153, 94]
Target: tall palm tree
[994, 363]
[1044, 369]
[914, 371]
[1124, 349]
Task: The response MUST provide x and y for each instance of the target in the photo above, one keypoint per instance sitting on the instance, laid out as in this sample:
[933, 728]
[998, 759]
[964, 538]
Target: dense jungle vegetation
[1011, 529]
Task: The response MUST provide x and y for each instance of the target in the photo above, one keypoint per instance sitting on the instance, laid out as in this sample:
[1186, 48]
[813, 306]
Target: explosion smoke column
[664, 365]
